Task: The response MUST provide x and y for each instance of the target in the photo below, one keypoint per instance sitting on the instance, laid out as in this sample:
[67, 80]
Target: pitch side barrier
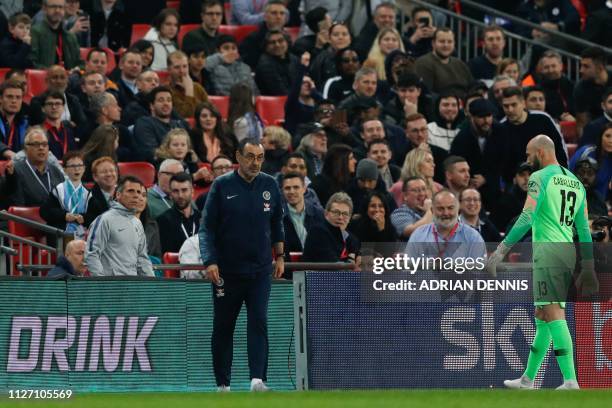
[129, 333]
[444, 327]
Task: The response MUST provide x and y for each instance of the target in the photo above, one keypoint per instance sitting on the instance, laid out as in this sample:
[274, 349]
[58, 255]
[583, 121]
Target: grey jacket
[223, 76]
[116, 245]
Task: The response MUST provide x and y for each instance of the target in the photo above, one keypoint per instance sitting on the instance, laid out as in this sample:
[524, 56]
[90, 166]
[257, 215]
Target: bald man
[71, 263]
[555, 205]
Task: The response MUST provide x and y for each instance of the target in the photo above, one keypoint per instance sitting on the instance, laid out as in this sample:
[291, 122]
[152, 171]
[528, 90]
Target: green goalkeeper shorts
[551, 285]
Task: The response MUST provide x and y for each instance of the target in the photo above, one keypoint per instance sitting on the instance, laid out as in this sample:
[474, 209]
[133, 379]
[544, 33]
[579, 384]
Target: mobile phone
[423, 21]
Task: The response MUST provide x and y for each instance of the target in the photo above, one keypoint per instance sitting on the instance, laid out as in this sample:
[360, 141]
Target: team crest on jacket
[266, 195]
[266, 207]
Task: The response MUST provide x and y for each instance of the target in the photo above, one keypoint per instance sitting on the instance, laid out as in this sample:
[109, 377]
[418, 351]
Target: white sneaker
[223, 388]
[569, 385]
[257, 385]
[520, 383]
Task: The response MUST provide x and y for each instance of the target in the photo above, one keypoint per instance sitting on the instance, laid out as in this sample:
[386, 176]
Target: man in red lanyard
[51, 43]
[446, 236]
[60, 133]
[13, 124]
[183, 219]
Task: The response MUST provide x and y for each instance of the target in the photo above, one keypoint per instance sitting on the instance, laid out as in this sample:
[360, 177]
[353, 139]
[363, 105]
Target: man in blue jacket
[242, 223]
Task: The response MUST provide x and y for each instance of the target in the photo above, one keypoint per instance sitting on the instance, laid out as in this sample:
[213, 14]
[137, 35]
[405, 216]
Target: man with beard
[558, 89]
[485, 66]
[182, 220]
[276, 68]
[510, 204]
[446, 236]
[440, 70]
[521, 126]
[13, 123]
[555, 210]
[457, 174]
[445, 127]
[479, 144]
[150, 131]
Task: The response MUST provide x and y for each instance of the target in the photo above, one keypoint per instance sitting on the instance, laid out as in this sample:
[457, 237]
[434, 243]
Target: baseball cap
[481, 107]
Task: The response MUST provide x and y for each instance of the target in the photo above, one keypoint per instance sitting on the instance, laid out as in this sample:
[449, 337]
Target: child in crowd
[15, 47]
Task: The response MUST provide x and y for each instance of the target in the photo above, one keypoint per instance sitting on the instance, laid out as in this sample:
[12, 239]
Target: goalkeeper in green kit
[555, 205]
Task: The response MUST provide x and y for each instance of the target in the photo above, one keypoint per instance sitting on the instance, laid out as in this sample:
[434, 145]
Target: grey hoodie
[117, 245]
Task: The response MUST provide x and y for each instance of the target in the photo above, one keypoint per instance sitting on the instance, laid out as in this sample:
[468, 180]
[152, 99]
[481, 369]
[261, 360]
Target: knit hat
[367, 170]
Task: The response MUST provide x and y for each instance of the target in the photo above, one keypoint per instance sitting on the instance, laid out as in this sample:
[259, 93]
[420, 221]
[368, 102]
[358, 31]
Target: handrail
[27, 241]
[8, 250]
[47, 229]
[580, 41]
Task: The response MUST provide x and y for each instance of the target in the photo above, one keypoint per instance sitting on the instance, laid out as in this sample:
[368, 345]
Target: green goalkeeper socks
[564, 349]
[539, 348]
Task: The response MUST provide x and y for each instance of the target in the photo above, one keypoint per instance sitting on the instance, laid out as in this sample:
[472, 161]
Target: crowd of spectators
[377, 119]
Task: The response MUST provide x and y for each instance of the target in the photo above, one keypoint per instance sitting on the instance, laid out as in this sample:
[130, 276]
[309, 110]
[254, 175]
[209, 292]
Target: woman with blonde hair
[418, 162]
[387, 40]
[276, 142]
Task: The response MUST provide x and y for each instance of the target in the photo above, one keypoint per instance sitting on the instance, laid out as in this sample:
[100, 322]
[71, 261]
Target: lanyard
[55, 133]
[193, 227]
[59, 50]
[446, 241]
[38, 179]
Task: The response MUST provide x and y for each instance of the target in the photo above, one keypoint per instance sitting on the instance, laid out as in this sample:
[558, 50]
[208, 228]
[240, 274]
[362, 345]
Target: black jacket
[77, 115]
[117, 27]
[509, 205]
[97, 205]
[62, 269]
[275, 75]
[366, 230]
[252, 47]
[170, 223]
[559, 96]
[14, 53]
[314, 216]
[326, 243]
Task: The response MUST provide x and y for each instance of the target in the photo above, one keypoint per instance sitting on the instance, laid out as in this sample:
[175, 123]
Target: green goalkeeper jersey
[555, 205]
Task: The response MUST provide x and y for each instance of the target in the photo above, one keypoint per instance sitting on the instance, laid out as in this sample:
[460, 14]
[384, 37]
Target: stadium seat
[239, 32]
[164, 77]
[222, 104]
[3, 164]
[3, 72]
[227, 12]
[271, 109]
[190, 121]
[569, 131]
[171, 258]
[294, 33]
[31, 213]
[571, 149]
[110, 57]
[184, 30]
[175, 4]
[143, 170]
[138, 32]
[36, 83]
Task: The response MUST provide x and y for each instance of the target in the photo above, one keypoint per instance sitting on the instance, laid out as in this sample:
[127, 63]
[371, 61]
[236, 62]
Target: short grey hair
[34, 130]
[167, 163]
[551, 54]
[500, 78]
[363, 72]
[339, 198]
[99, 101]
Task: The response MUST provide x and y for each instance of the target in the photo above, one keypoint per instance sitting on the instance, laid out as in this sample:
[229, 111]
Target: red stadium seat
[171, 258]
[143, 170]
[3, 72]
[110, 57]
[138, 32]
[571, 149]
[175, 4]
[238, 32]
[271, 109]
[164, 77]
[36, 83]
[295, 256]
[184, 30]
[569, 131]
[31, 213]
[227, 12]
[3, 164]
[191, 122]
[294, 33]
[222, 104]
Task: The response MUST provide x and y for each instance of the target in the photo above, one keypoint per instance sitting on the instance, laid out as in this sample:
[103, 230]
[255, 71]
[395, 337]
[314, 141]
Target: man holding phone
[420, 32]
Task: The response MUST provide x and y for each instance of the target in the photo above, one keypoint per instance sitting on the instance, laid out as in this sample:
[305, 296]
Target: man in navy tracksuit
[242, 222]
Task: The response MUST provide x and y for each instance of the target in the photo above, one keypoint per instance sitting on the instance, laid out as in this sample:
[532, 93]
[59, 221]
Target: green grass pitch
[495, 398]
